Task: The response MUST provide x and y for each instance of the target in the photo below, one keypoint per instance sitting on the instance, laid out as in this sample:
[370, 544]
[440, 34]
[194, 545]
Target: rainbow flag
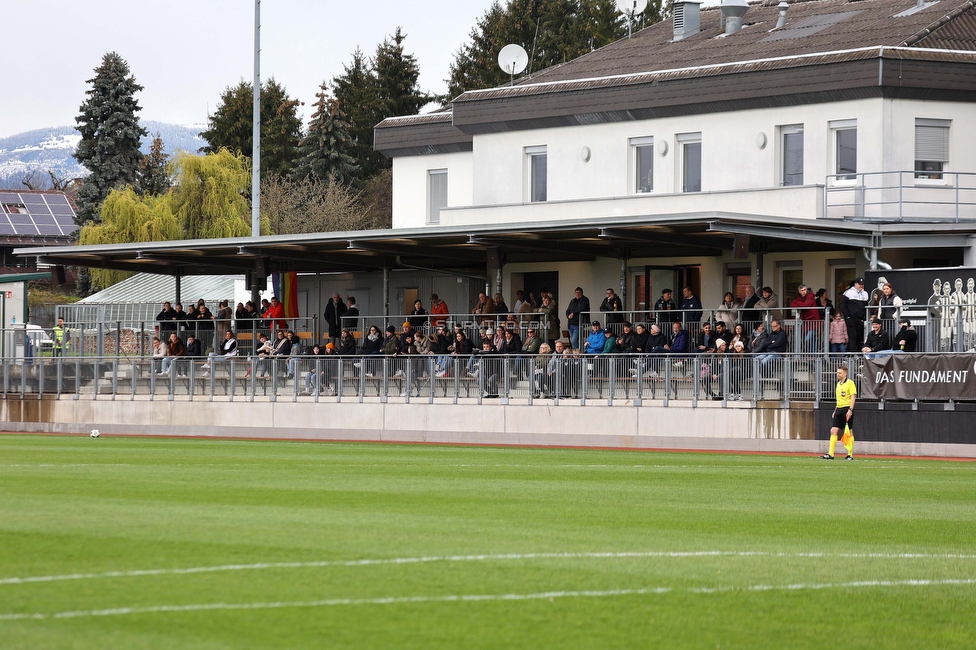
[285, 286]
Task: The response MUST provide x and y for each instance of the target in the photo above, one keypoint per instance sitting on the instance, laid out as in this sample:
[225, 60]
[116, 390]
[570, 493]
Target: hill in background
[41, 150]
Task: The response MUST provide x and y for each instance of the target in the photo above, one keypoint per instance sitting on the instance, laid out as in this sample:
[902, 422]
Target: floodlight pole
[256, 151]
[256, 146]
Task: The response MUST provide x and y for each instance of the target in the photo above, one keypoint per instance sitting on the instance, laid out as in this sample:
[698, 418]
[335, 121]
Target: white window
[792, 154]
[690, 154]
[845, 149]
[931, 148]
[643, 161]
[436, 194]
[538, 175]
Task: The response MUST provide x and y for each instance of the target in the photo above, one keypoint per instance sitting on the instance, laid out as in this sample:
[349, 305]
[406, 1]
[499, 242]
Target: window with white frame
[845, 149]
[538, 182]
[690, 155]
[931, 148]
[436, 194]
[643, 161]
[791, 140]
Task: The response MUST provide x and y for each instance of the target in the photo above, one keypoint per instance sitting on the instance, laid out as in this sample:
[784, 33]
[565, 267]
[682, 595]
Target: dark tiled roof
[958, 33]
[867, 23]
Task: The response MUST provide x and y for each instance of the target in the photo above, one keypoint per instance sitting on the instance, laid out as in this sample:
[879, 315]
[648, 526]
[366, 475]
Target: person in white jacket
[228, 349]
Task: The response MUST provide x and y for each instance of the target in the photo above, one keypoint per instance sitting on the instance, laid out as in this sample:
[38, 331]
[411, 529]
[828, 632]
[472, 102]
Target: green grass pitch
[152, 543]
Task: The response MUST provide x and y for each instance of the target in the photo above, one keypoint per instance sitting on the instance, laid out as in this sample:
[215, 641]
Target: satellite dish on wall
[631, 8]
[513, 60]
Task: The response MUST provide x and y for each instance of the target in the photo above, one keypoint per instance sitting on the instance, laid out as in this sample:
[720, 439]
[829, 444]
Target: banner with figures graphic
[920, 376]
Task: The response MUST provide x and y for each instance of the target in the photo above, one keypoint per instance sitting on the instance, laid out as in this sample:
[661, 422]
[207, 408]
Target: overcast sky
[185, 52]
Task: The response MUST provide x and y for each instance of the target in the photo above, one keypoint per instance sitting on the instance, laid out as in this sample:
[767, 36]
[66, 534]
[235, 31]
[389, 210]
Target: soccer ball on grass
[94, 433]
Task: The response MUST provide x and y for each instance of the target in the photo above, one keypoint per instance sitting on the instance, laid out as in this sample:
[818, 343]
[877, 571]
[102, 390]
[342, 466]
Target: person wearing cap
[906, 338]
[597, 339]
[666, 310]
[578, 309]
[878, 342]
[853, 304]
[625, 340]
[406, 331]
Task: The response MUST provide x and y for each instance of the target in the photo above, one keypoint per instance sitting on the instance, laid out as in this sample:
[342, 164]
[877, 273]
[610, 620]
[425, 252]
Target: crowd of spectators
[531, 328]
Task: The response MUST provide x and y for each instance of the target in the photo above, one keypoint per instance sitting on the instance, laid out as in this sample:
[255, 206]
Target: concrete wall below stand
[706, 427]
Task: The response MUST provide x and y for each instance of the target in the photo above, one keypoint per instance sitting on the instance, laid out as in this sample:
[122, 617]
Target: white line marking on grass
[473, 558]
[546, 595]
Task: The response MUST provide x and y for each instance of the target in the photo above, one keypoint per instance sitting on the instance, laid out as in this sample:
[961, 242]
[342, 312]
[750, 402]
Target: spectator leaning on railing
[580, 304]
[906, 338]
[665, 309]
[691, 307]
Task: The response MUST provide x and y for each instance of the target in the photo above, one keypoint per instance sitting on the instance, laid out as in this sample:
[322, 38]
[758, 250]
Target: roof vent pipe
[687, 19]
[781, 22]
[733, 10]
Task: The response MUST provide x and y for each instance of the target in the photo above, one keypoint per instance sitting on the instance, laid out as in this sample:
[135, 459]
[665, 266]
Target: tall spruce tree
[110, 135]
[356, 91]
[369, 92]
[396, 78]
[325, 152]
[231, 125]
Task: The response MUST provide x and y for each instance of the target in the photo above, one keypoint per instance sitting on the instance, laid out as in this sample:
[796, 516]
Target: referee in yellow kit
[843, 417]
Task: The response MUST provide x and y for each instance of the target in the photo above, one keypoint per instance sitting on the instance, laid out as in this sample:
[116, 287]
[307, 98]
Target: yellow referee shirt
[844, 392]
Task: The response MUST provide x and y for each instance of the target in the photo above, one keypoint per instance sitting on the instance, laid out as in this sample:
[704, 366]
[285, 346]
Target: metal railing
[901, 195]
[632, 379]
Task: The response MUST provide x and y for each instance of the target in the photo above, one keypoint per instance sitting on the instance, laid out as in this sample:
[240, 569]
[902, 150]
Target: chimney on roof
[733, 10]
[687, 19]
[783, 6]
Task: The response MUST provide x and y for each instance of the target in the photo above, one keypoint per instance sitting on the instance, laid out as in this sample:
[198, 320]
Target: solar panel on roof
[808, 26]
[43, 218]
[56, 199]
[38, 209]
[19, 218]
[9, 198]
[6, 229]
[65, 221]
[48, 230]
[32, 199]
[21, 229]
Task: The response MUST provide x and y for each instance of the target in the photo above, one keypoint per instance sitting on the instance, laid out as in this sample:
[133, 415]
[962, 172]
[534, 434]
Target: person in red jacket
[438, 308]
[276, 312]
[812, 317]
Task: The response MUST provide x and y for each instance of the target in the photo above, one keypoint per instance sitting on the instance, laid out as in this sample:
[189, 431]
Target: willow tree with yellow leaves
[206, 200]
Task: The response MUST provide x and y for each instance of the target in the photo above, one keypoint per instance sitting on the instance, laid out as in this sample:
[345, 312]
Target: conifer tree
[230, 126]
[153, 175]
[110, 135]
[551, 31]
[396, 78]
[325, 150]
[356, 91]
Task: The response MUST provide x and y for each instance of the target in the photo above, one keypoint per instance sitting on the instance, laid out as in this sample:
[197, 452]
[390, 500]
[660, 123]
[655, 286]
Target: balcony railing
[624, 380]
[907, 195]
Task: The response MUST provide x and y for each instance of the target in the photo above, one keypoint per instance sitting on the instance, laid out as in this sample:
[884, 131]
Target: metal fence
[658, 379]
[901, 195]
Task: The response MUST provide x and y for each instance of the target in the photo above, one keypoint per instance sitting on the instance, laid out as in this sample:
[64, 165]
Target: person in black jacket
[334, 311]
[578, 309]
[906, 338]
[418, 317]
[613, 306]
[878, 341]
[347, 344]
[167, 320]
[666, 305]
[691, 308]
[350, 320]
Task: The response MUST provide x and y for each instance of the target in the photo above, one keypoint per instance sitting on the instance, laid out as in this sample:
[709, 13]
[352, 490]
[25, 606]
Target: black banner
[920, 376]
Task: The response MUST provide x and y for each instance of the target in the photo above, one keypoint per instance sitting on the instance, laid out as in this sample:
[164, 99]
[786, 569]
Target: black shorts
[840, 419]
